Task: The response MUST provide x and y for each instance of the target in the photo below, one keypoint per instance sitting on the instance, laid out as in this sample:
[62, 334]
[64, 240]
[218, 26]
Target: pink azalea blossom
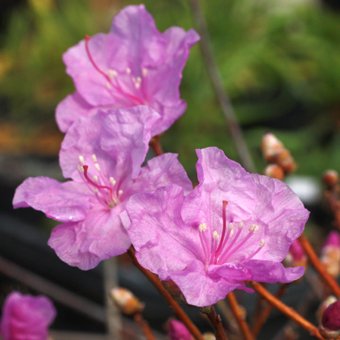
[133, 64]
[26, 317]
[330, 254]
[102, 155]
[178, 331]
[233, 227]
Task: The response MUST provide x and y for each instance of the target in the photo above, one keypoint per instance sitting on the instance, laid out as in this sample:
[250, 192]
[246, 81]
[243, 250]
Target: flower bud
[330, 178]
[330, 321]
[271, 147]
[209, 336]
[330, 254]
[126, 301]
[296, 256]
[275, 152]
[274, 171]
[178, 331]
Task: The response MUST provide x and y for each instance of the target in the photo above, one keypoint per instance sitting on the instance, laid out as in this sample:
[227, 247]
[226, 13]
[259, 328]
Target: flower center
[121, 83]
[238, 240]
[105, 189]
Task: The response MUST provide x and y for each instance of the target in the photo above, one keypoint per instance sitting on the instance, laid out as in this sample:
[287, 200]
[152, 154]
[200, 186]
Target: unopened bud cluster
[280, 161]
[126, 301]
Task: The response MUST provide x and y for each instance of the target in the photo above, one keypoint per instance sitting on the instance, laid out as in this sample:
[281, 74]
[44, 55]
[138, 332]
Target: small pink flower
[102, 155]
[133, 64]
[234, 226]
[26, 317]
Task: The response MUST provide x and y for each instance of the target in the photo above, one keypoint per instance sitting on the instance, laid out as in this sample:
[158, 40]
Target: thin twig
[156, 146]
[171, 301]
[216, 321]
[216, 82]
[235, 308]
[328, 279]
[264, 314]
[144, 326]
[288, 311]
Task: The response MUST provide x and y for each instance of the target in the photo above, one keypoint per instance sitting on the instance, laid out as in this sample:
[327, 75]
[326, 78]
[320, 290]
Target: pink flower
[233, 227]
[26, 317]
[102, 155]
[134, 64]
[178, 331]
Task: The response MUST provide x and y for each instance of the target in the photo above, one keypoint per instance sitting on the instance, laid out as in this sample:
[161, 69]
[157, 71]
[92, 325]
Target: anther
[94, 158]
[216, 235]
[120, 192]
[112, 181]
[97, 166]
[144, 72]
[262, 243]
[253, 228]
[112, 73]
[81, 159]
[202, 227]
[95, 177]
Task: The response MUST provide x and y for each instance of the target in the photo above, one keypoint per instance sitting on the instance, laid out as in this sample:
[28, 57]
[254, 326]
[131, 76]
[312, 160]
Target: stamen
[144, 72]
[94, 158]
[253, 228]
[97, 166]
[216, 235]
[120, 192]
[89, 55]
[202, 227]
[96, 185]
[95, 177]
[112, 181]
[81, 159]
[224, 229]
[112, 73]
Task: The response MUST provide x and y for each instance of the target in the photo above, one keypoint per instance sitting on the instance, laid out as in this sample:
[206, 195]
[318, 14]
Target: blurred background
[279, 62]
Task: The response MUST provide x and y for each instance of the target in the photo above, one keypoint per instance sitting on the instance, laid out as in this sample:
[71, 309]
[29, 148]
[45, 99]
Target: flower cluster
[232, 227]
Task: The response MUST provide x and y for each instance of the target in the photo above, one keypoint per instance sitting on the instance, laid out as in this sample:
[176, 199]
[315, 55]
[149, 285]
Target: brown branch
[328, 279]
[171, 301]
[265, 312]
[288, 311]
[217, 85]
[216, 321]
[235, 308]
[144, 326]
[156, 146]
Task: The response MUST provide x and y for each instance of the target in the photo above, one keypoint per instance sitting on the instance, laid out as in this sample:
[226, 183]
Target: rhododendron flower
[233, 227]
[134, 64]
[102, 155]
[26, 317]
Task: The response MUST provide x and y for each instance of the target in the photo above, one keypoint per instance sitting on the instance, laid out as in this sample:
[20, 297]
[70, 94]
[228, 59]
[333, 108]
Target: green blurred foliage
[279, 63]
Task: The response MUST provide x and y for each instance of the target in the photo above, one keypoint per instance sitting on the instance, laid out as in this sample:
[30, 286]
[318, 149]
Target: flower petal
[70, 109]
[84, 244]
[64, 202]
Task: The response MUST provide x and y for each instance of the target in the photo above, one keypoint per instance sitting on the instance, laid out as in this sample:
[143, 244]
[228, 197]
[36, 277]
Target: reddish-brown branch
[235, 308]
[216, 321]
[171, 301]
[265, 312]
[144, 326]
[328, 279]
[288, 311]
[156, 145]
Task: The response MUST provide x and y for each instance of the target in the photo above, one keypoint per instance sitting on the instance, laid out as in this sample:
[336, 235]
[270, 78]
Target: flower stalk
[216, 321]
[171, 301]
[288, 311]
[243, 325]
[319, 267]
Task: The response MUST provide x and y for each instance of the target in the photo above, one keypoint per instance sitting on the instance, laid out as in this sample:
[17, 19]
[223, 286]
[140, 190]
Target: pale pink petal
[64, 202]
